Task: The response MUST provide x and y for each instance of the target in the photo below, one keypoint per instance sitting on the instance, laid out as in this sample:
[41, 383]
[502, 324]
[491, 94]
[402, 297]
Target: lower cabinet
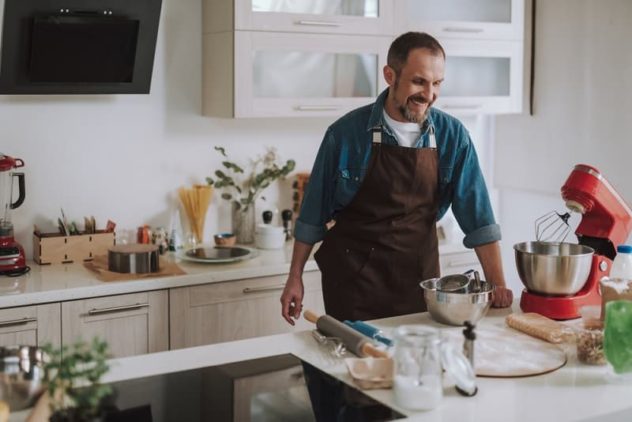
[132, 324]
[459, 262]
[34, 325]
[234, 310]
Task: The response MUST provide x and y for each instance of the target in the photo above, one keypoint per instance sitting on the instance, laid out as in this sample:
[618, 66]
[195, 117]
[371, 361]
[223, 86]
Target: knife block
[53, 248]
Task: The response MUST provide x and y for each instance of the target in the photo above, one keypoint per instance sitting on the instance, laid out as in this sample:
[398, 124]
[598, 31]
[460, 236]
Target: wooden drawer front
[247, 289]
[236, 310]
[459, 262]
[31, 325]
[131, 324]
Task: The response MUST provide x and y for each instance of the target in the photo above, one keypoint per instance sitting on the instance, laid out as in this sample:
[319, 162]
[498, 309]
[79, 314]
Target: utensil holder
[53, 248]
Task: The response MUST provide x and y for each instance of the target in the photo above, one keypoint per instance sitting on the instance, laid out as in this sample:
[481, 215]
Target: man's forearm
[299, 258]
[489, 257]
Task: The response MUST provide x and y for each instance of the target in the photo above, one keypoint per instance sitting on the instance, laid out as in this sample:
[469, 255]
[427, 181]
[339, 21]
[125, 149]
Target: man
[386, 173]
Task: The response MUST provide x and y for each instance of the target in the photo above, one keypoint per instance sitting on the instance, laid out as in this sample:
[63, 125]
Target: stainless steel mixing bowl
[558, 269]
[456, 308]
[21, 376]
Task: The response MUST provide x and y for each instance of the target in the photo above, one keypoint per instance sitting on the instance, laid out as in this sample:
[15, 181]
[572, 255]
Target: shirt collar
[376, 120]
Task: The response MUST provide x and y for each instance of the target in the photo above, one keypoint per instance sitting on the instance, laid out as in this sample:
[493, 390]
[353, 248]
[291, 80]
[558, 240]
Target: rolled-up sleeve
[470, 202]
[317, 207]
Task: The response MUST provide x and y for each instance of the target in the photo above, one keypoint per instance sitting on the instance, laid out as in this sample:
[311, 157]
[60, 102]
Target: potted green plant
[73, 375]
[243, 188]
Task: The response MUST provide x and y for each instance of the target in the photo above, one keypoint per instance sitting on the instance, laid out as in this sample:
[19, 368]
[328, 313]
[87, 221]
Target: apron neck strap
[377, 134]
[432, 139]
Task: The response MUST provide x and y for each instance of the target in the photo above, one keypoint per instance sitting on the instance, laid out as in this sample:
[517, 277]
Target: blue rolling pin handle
[369, 330]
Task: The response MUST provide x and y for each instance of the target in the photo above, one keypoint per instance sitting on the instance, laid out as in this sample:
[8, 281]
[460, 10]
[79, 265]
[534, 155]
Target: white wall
[122, 157]
[583, 98]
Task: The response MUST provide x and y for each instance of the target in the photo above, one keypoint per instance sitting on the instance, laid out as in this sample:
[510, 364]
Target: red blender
[12, 259]
[562, 277]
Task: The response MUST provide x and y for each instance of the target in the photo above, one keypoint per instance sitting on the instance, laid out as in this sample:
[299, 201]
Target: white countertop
[60, 282]
[575, 392]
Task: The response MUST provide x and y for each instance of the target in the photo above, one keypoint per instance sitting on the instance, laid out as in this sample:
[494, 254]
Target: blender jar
[6, 191]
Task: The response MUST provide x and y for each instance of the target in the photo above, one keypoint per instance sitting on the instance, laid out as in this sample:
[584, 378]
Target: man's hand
[292, 299]
[503, 297]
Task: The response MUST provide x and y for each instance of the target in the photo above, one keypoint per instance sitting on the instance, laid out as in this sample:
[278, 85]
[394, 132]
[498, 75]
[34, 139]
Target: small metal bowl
[453, 308]
[21, 376]
[455, 283]
[225, 239]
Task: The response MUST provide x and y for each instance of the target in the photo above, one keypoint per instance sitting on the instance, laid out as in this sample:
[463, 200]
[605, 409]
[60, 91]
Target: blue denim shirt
[342, 162]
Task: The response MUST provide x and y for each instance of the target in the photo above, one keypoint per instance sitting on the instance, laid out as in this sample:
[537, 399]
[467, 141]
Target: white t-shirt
[407, 134]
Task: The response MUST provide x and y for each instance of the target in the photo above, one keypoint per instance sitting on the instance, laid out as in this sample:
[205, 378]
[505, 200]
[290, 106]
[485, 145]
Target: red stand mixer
[606, 223]
[12, 259]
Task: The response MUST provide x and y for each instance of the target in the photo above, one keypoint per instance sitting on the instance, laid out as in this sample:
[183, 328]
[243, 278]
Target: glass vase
[244, 223]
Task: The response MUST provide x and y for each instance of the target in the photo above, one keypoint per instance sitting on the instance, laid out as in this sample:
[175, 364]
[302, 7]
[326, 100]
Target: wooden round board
[502, 352]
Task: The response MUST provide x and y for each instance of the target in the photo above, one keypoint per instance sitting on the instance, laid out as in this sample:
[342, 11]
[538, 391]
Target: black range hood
[78, 46]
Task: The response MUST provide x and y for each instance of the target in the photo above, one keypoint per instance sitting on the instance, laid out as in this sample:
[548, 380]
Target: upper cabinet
[290, 58]
[372, 17]
[482, 77]
[464, 19]
[283, 74]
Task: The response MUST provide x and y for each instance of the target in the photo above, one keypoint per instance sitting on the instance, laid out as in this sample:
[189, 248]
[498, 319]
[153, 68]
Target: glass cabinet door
[482, 77]
[480, 19]
[306, 74]
[317, 16]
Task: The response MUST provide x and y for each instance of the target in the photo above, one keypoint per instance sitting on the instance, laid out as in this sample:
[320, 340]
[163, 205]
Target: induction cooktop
[277, 388]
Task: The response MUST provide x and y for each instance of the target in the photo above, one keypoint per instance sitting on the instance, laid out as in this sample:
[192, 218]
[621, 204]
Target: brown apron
[385, 241]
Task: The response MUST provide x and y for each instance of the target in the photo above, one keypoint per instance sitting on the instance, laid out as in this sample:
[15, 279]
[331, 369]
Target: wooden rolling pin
[354, 341]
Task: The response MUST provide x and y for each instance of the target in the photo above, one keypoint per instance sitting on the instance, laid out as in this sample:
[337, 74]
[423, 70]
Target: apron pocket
[341, 262]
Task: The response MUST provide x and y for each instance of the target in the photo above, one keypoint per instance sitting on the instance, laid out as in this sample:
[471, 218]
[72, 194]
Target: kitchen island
[575, 392]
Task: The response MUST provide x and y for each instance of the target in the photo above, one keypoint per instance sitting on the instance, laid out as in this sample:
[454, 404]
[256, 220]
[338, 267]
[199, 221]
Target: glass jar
[417, 382]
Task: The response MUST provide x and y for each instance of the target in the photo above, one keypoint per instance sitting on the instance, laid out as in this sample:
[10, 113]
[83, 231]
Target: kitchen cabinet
[132, 324]
[482, 77]
[369, 17]
[31, 325]
[219, 312]
[274, 74]
[463, 19]
[459, 262]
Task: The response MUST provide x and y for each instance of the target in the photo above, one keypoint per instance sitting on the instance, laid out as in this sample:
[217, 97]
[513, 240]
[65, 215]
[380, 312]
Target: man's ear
[389, 75]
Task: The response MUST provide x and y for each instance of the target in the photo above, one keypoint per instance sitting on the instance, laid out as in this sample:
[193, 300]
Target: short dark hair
[401, 47]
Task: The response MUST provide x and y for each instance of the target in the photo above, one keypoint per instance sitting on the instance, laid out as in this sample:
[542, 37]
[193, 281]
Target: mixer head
[606, 218]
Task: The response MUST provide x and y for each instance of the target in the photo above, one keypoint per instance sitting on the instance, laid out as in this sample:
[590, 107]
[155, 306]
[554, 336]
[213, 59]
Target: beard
[411, 116]
[407, 112]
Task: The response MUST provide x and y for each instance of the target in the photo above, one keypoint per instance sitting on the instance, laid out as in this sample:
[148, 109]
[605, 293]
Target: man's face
[416, 88]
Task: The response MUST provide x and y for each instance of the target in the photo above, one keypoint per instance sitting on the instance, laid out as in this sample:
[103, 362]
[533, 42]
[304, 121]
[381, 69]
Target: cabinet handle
[462, 263]
[462, 107]
[317, 23]
[317, 107]
[464, 30]
[20, 321]
[95, 311]
[264, 288]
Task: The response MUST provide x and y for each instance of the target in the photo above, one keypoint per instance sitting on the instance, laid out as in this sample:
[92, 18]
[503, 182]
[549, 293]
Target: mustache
[418, 98]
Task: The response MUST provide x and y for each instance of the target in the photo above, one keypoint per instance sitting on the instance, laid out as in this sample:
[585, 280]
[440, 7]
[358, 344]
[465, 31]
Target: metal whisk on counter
[552, 227]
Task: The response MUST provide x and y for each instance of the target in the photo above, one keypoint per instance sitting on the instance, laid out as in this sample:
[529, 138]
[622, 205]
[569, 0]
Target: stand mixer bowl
[551, 268]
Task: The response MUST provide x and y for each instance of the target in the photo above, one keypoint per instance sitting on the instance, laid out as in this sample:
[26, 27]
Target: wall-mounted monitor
[78, 46]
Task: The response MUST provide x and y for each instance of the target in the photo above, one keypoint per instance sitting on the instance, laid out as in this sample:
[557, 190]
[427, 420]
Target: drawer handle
[96, 311]
[317, 107]
[264, 288]
[463, 30]
[462, 263]
[317, 23]
[20, 321]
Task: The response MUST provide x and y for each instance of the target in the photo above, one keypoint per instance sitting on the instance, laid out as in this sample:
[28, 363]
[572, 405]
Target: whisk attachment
[552, 227]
